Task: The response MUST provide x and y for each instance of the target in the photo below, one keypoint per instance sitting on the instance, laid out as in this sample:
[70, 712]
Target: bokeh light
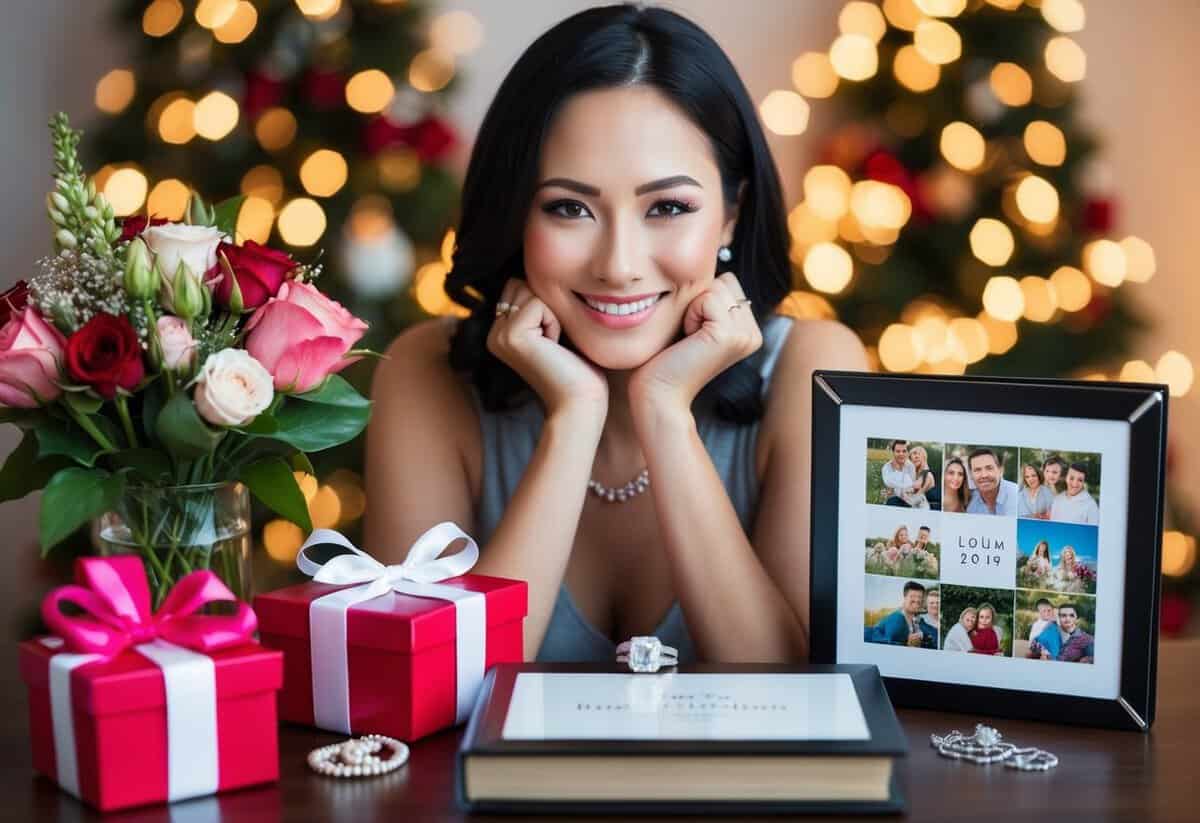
[1178, 553]
[275, 129]
[903, 14]
[1066, 60]
[1037, 199]
[806, 305]
[430, 70]
[1105, 261]
[239, 26]
[854, 57]
[263, 181]
[177, 123]
[913, 71]
[161, 17]
[324, 172]
[1001, 334]
[827, 191]
[941, 8]
[971, 336]
[125, 191]
[282, 540]
[115, 90]
[899, 348]
[429, 289]
[213, 14]
[255, 219]
[1140, 263]
[325, 508]
[860, 17]
[828, 267]
[215, 115]
[1003, 298]
[1011, 84]
[1045, 143]
[369, 91]
[1137, 371]
[169, 199]
[456, 32]
[937, 41]
[813, 75]
[319, 9]
[1175, 369]
[784, 112]
[992, 241]
[879, 205]
[1073, 288]
[963, 146]
[1041, 299]
[301, 222]
[1064, 15]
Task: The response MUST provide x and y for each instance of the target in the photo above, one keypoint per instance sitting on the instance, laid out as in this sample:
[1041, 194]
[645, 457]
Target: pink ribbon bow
[116, 596]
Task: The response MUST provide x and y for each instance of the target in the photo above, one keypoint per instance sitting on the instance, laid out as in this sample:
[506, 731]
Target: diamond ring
[503, 308]
[739, 304]
[647, 654]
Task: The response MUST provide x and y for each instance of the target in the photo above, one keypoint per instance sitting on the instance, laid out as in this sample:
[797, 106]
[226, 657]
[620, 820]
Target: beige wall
[1140, 95]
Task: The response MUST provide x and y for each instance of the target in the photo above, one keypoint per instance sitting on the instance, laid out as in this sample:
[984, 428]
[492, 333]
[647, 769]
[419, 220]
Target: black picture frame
[1143, 406]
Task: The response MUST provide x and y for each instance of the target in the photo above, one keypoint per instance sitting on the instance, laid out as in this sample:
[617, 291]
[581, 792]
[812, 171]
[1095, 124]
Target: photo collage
[983, 549]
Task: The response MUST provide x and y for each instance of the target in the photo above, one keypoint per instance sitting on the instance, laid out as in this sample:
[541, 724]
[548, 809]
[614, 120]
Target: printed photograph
[977, 620]
[904, 473]
[980, 479]
[1055, 626]
[1060, 485]
[902, 543]
[1060, 557]
[901, 612]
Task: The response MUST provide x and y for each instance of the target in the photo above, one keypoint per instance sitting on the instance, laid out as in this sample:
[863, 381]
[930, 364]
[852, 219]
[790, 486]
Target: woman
[618, 180]
[1039, 564]
[1066, 575]
[986, 638]
[958, 639]
[901, 542]
[957, 493]
[918, 496]
[1036, 498]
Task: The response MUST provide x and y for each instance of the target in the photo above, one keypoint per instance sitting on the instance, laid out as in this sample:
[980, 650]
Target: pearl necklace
[358, 758]
[630, 490]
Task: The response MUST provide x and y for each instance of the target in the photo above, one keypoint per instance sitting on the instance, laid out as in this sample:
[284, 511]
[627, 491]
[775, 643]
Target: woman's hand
[719, 330]
[526, 338]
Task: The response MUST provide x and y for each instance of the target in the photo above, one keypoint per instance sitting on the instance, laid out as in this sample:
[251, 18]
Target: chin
[617, 354]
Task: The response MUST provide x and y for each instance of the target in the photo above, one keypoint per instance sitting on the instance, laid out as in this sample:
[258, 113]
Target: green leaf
[301, 463]
[226, 213]
[335, 391]
[182, 432]
[153, 397]
[73, 497]
[59, 437]
[83, 403]
[311, 427]
[151, 464]
[273, 483]
[23, 472]
[263, 424]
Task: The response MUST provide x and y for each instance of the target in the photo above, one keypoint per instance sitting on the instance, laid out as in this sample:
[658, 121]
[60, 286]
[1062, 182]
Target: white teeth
[620, 309]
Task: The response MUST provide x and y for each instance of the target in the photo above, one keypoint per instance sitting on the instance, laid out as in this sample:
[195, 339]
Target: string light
[1137, 371]
[1175, 369]
[1066, 60]
[1140, 263]
[263, 181]
[784, 112]
[903, 14]
[275, 129]
[813, 75]
[827, 191]
[1179, 553]
[1064, 15]
[301, 222]
[369, 91]
[828, 267]
[1037, 199]
[125, 191]
[992, 241]
[239, 26]
[1011, 84]
[1045, 143]
[177, 123]
[212, 14]
[913, 71]
[169, 199]
[255, 219]
[456, 32]
[899, 348]
[1041, 300]
[324, 172]
[1003, 298]
[1105, 261]
[962, 146]
[161, 17]
[854, 57]
[937, 42]
[430, 71]
[215, 115]
[860, 17]
[1073, 288]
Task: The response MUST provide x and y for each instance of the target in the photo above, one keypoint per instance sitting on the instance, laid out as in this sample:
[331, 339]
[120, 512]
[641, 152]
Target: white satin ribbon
[419, 576]
[190, 682]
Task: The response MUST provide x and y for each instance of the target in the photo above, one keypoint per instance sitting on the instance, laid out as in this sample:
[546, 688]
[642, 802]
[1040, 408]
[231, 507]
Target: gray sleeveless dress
[509, 440]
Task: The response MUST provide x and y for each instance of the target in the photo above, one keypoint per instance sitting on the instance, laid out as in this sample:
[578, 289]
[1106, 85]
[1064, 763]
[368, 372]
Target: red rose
[105, 354]
[13, 300]
[131, 227]
[259, 271]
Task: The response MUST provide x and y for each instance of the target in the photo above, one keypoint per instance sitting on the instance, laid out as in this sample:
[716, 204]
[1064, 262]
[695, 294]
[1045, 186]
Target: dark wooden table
[1104, 775]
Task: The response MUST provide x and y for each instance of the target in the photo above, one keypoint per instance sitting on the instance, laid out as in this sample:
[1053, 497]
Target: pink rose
[178, 347]
[302, 337]
[30, 352]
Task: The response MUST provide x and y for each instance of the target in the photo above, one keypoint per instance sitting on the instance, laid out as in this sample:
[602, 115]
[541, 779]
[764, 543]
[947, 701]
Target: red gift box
[129, 707]
[401, 652]
[119, 710]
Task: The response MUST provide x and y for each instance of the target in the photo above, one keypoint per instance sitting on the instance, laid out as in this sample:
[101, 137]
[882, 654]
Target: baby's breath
[73, 286]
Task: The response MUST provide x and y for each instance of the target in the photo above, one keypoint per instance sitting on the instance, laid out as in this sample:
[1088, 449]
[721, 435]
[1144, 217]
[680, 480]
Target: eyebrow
[592, 191]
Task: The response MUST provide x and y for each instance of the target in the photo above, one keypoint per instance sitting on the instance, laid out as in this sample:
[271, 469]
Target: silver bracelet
[987, 746]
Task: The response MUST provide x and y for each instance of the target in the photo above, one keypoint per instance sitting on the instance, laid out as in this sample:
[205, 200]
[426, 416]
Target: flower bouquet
[159, 370]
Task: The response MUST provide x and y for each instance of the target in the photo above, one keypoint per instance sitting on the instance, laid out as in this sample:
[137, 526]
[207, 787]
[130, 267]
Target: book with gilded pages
[564, 738]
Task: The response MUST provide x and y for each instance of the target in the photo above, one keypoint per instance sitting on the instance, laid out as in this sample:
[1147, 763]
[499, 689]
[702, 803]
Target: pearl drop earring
[724, 254]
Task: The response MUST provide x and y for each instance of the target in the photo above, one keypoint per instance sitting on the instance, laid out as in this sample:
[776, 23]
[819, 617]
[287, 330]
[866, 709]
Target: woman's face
[901, 536]
[1031, 478]
[955, 476]
[968, 621]
[918, 457]
[628, 206]
[985, 618]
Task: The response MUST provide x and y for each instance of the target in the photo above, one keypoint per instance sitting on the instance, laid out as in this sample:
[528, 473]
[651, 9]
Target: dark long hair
[600, 48]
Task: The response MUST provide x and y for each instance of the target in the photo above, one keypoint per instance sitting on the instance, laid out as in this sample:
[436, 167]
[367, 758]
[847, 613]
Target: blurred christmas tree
[326, 114]
[958, 217]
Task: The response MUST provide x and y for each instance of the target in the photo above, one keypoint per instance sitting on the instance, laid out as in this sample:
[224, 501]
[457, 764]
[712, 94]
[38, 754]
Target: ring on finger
[739, 304]
[503, 308]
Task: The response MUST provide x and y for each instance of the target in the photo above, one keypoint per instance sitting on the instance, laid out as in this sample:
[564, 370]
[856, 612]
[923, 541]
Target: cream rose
[232, 388]
[175, 243]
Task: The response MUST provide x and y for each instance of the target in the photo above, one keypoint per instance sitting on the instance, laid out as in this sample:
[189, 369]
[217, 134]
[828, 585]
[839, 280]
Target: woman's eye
[673, 208]
[567, 208]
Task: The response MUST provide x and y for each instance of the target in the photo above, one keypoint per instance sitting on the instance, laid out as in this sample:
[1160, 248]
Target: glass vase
[179, 529]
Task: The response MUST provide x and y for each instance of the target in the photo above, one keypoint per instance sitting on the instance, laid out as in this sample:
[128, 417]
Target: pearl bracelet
[358, 758]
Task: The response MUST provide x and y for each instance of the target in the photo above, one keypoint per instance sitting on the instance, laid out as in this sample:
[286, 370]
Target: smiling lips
[620, 312]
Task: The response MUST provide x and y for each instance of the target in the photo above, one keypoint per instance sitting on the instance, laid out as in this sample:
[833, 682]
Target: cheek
[551, 254]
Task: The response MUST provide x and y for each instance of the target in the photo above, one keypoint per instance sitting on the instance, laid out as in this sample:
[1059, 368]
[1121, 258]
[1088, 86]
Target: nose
[618, 257]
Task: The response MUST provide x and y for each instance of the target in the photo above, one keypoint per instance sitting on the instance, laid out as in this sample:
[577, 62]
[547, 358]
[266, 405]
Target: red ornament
[1098, 215]
[324, 89]
[431, 138]
[1175, 615]
[1097, 309]
[262, 92]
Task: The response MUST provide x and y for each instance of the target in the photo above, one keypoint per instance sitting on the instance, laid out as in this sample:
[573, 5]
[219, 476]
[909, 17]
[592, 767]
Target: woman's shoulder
[417, 366]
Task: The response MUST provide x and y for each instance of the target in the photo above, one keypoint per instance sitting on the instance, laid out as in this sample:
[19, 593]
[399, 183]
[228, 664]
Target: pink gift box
[401, 655]
[120, 722]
